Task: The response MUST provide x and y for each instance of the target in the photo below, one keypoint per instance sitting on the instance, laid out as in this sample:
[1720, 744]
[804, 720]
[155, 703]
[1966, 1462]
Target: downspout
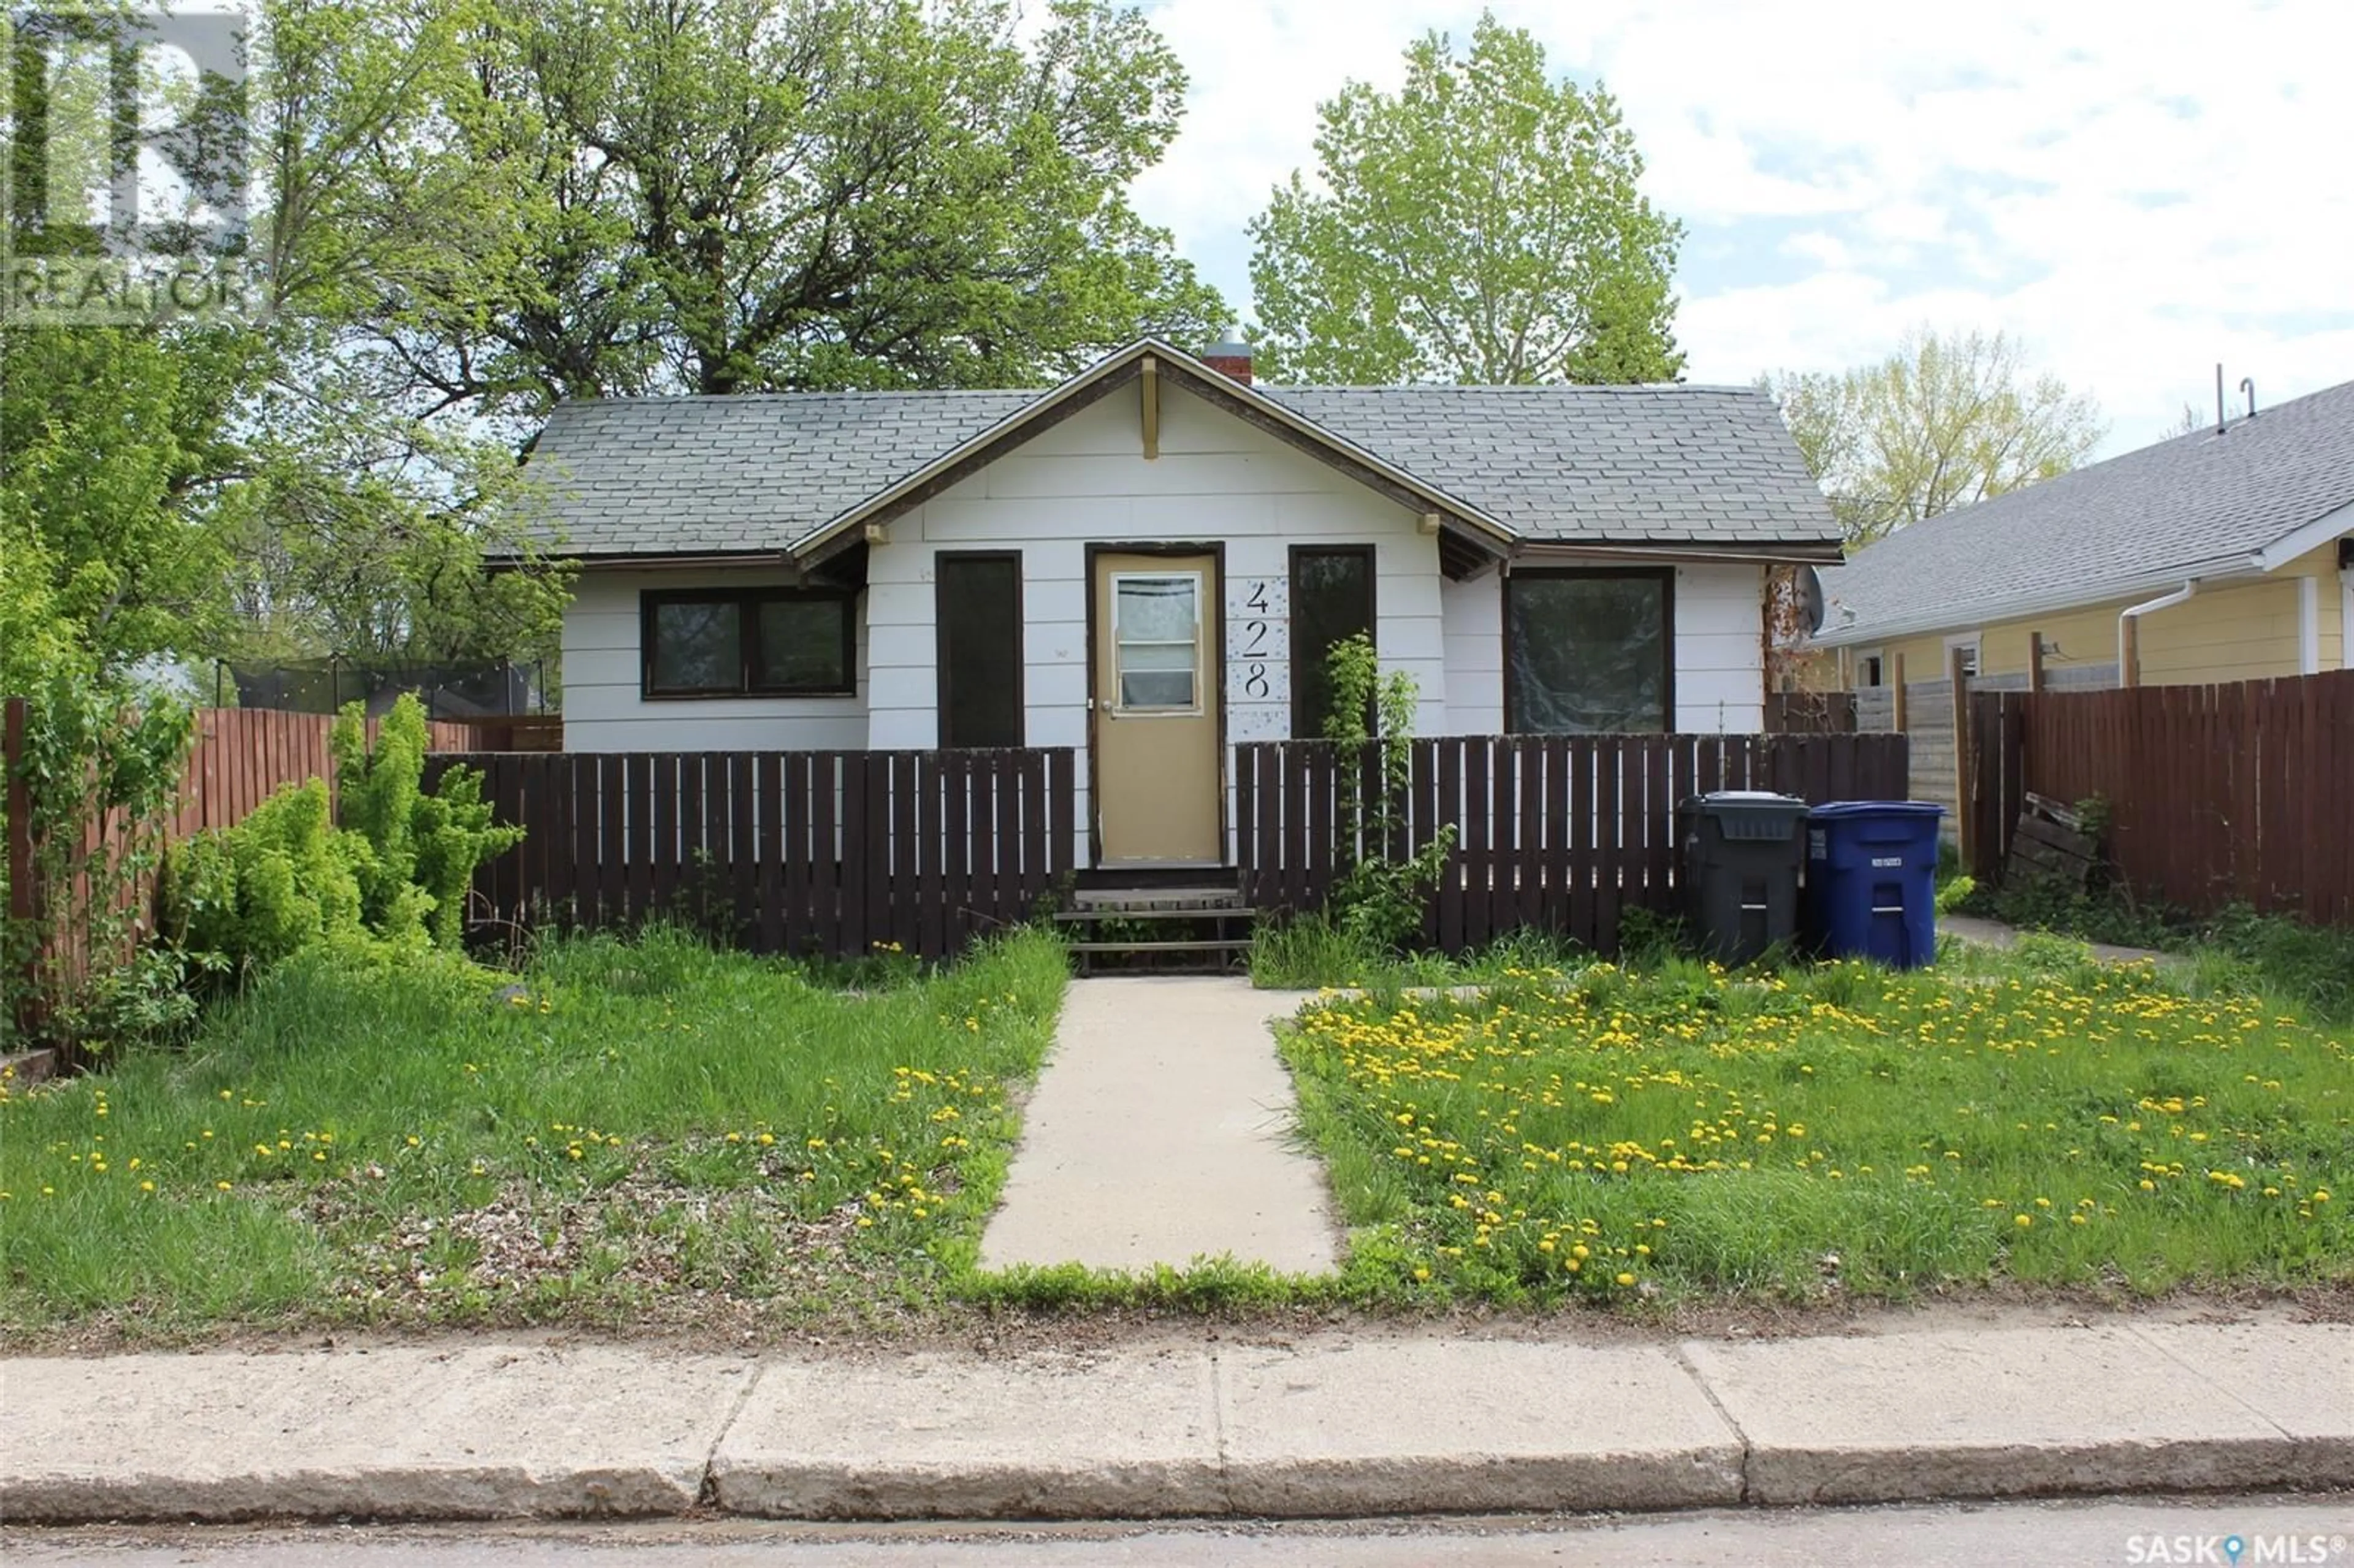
[2128, 642]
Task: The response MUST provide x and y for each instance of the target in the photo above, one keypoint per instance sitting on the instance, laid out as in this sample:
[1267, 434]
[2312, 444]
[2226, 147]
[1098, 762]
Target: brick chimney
[1229, 356]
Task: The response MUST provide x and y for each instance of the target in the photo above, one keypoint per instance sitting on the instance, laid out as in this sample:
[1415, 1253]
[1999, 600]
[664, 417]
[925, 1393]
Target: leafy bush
[287, 878]
[284, 878]
[1379, 898]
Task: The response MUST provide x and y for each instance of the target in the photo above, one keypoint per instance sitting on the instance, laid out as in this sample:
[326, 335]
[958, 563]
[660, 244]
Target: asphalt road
[2306, 1530]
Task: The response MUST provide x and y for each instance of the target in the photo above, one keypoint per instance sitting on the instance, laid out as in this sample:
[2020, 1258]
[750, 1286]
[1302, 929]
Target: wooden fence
[2238, 793]
[815, 853]
[1561, 832]
[1809, 713]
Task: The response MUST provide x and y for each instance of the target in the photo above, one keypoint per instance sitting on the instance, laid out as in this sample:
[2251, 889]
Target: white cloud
[2135, 189]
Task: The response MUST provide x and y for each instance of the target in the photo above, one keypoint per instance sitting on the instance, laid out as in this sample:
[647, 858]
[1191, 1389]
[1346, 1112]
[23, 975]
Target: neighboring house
[2223, 554]
[1148, 562]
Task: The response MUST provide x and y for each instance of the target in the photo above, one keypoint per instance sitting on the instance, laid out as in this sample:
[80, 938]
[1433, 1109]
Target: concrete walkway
[1160, 1132]
[1317, 1425]
[1995, 933]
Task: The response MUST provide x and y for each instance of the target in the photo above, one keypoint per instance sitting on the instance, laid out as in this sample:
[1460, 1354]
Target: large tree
[1483, 224]
[1944, 421]
[729, 195]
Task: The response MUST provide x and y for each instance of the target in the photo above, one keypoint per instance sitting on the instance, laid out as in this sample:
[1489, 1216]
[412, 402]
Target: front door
[1156, 709]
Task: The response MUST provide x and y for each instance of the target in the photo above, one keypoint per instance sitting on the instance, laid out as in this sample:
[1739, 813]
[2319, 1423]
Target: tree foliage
[763, 194]
[1942, 423]
[1484, 224]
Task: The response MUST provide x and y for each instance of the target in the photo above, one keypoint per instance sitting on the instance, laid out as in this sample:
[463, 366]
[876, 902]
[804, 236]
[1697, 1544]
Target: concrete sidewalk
[1331, 1426]
[1162, 1133]
[1995, 933]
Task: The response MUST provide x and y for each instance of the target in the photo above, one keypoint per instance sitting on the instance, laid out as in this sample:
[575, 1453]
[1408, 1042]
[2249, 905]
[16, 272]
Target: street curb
[1321, 1489]
[1324, 1426]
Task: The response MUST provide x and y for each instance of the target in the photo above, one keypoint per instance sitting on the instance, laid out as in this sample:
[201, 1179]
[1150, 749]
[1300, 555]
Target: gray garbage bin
[1741, 850]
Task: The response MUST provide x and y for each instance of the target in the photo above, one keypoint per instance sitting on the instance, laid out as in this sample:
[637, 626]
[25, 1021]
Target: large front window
[723, 643]
[1588, 653]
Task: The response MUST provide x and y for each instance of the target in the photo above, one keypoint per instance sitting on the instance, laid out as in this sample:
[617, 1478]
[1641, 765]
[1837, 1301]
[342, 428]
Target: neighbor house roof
[2266, 491]
[643, 478]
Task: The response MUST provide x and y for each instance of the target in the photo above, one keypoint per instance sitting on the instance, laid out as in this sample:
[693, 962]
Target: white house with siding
[1147, 563]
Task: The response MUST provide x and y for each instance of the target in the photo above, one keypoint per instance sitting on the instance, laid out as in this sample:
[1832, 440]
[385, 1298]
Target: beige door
[1156, 709]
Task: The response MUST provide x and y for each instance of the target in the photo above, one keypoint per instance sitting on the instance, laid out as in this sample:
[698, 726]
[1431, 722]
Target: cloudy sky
[2134, 190]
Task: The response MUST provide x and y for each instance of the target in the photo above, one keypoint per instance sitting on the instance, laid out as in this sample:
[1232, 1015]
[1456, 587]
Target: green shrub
[1379, 898]
[280, 880]
[395, 873]
[424, 848]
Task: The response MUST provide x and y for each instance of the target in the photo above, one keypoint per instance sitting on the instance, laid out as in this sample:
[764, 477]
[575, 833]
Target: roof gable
[2200, 504]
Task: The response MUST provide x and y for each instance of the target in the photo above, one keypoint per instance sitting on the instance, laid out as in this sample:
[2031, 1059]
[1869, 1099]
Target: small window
[766, 642]
[1868, 670]
[1331, 601]
[1588, 653]
[1156, 639]
[979, 598]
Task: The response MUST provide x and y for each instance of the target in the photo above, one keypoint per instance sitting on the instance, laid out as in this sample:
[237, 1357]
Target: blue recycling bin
[1872, 881]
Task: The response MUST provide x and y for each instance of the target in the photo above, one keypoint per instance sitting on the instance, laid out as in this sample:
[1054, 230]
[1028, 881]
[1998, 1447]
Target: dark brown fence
[1561, 832]
[2238, 793]
[815, 853]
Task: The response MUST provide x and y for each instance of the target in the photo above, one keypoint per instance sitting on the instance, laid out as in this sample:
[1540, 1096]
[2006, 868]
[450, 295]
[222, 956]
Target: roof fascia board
[1115, 370]
[1539, 552]
[2216, 568]
[2311, 537]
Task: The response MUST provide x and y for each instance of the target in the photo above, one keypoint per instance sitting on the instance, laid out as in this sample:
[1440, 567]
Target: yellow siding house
[2225, 554]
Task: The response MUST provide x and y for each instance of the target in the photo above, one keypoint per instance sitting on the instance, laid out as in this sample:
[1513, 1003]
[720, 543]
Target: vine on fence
[1382, 889]
[100, 772]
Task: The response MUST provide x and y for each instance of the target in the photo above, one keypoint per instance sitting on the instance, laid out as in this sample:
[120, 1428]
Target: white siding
[604, 710]
[1720, 681]
[1720, 648]
[1475, 654]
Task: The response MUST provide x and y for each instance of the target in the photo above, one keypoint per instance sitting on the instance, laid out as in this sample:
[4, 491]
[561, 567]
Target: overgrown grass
[1311, 952]
[2309, 966]
[629, 1127]
[1685, 1133]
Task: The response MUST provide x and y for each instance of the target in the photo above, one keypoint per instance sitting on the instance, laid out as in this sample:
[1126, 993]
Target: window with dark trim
[1589, 653]
[758, 642]
[978, 611]
[1332, 600]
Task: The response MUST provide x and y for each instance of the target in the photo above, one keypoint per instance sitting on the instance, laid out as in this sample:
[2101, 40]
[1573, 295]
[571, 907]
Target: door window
[1156, 641]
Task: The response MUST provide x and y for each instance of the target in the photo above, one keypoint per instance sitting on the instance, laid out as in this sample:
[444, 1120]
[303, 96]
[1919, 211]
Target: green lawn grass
[639, 1128]
[1685, 1134]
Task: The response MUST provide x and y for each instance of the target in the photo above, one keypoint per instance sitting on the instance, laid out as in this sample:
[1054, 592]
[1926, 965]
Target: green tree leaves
[767, 195]
[1944, 421]
[1482, 225]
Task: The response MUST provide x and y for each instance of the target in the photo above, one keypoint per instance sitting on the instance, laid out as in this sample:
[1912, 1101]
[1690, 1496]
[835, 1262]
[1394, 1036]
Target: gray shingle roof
[2200, 501]
[1649, 464]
